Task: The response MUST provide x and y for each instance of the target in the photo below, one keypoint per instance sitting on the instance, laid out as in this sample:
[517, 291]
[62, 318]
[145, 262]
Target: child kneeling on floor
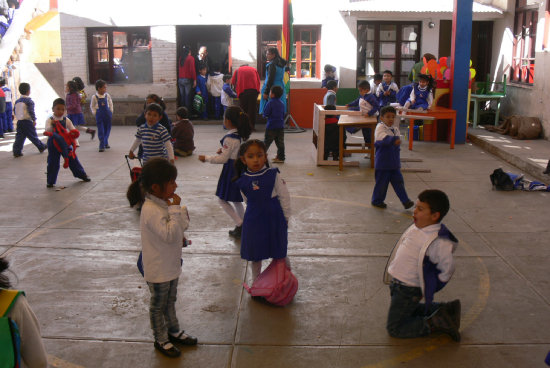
[162, 225]
[421, 264]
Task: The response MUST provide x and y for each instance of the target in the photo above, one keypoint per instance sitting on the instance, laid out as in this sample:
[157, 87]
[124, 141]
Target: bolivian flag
[287, 37]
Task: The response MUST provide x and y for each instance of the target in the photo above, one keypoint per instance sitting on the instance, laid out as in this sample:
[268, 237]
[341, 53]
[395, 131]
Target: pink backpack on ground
[276, 284]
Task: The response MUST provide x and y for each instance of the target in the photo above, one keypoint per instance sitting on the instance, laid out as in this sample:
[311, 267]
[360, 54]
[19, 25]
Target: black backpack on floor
[501, 180]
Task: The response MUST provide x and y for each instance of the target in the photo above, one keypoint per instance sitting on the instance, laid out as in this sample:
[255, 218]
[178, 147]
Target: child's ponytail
[158, 171]
[239, 119]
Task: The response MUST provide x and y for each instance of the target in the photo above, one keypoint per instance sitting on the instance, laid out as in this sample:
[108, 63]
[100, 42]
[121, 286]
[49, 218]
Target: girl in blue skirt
[237, 124]
[265, 224]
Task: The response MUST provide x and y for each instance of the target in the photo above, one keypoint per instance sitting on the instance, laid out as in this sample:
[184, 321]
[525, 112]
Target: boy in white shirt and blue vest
[420, 265]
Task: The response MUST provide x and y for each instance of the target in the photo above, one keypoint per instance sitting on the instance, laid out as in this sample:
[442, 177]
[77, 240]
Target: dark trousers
[366, 134]
[382, 180]
[277, 135]
[332, 140]
[218, 107]
[407, 316]
[248, 102]
[53, 164]
[26, 129]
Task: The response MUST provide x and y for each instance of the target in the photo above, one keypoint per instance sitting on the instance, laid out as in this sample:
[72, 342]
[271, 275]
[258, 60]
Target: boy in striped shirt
[153, 136]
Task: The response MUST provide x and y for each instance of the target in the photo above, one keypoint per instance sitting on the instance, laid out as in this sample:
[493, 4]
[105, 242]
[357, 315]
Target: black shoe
[1, 135]
[17, 154]
[87, 179]
[10, 130]
[441, 322]
[453, 310]
[408, 205]
[183, 339]
[49, 185]
[547, 171]
[102, 150]
[168, 349]
[42, 149]
[236, 232]
[91, 132]
[107, 146]
[380, 205]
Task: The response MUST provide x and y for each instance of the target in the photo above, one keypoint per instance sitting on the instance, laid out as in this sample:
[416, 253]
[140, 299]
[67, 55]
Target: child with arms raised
[421, 264]
[265, 225]
[162, 225]
[236, 121]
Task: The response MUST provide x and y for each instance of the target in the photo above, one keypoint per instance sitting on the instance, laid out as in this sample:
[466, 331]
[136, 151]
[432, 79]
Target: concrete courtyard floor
[74, 253]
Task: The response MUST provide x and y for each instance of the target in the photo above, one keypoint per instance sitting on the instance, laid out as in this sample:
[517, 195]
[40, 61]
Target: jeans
[407, 316]
[277, 135]
[162, 309]
[186, 86]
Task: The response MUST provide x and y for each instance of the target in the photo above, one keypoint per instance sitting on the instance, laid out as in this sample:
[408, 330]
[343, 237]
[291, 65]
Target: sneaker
[380, 205]
[183, 339]
[87, 179]
[102, 150]
[42, 149]
[453, 310]
[408, 205]
[236, 232]
[441, 322]
[277, 160]
[17, 154]
[167, 349]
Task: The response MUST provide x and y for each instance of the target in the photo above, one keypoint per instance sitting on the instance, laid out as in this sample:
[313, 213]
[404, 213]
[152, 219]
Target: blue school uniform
[354, 106]
[387, 164]
[386, 100]
[227, 189]
[54, 155]
[265, 230]
[103, 118]
[421, 95]
[8, 115]
[201, 87]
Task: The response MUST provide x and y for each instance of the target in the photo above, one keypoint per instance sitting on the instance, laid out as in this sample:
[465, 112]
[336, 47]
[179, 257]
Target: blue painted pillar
[460, 63]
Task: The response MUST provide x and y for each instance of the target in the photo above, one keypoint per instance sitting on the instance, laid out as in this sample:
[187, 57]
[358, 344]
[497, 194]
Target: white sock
[228, 208]
[256, 269]
[239, 208]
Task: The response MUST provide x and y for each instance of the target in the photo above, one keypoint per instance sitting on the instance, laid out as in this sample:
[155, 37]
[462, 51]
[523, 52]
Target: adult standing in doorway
[417, 68]
[247, 86]
[274, 76]
[203, 58]
[187, 77]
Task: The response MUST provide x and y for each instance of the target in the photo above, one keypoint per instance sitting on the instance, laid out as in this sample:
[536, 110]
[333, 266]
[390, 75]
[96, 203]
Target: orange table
[436, 113]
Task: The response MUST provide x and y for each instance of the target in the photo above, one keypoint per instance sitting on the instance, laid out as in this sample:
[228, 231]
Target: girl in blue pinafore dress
[265, 224]
[236, 121]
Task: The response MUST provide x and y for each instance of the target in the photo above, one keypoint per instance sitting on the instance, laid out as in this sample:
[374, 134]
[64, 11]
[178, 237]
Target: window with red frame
[306, 49]
[120, 55]
[525, 26]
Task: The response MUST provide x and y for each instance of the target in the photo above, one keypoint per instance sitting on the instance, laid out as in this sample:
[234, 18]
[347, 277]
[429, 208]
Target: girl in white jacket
[162, 225]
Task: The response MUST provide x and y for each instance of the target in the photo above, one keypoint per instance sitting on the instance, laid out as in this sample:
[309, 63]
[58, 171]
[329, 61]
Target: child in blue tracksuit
[274, 111]
[102, 109]
[26, 122]
[387, 90]
[421, 264]
[8, 116]
[227, 93]
[60, 148]
[201, 89]
[367, 103]
[421, 97]
[387, 161]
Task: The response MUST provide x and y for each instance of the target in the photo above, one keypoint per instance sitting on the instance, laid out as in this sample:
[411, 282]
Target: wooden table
[477, 99]
[436, 113]
[356, 122]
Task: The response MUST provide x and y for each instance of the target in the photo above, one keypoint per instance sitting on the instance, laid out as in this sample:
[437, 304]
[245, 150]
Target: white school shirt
[162, 232]
[94, 104]
[404, 265]
[230, 150]
[279, 189]
[380, 90]
[382, 131]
